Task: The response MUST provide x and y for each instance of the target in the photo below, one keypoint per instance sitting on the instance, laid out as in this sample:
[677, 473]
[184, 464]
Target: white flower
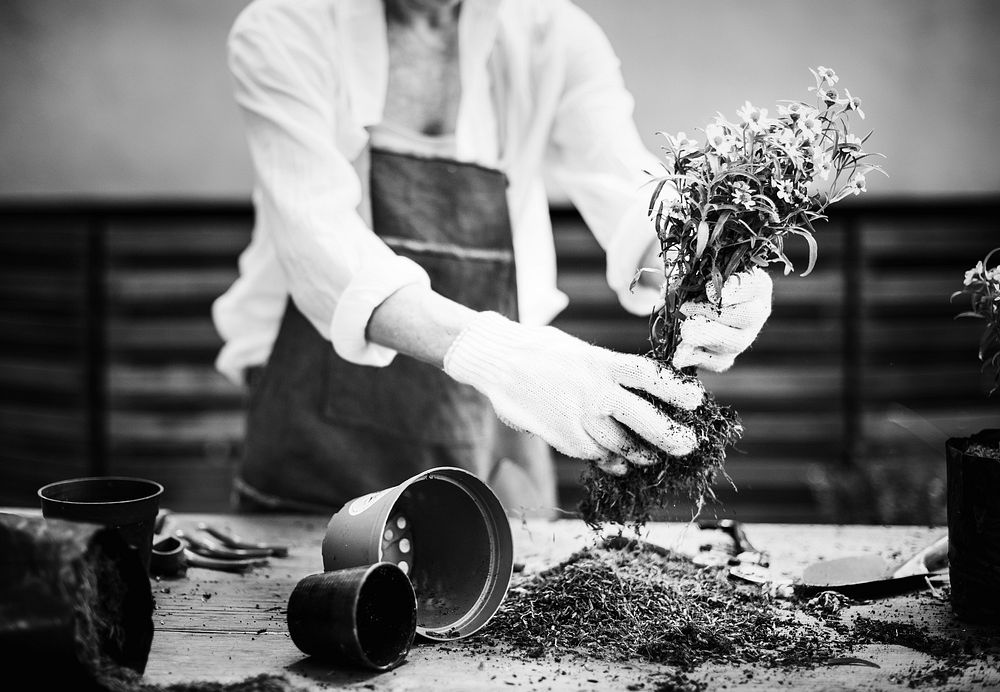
[720, 140]
[822, 165]
[810, 126]
[785, 189]
[828, 95]
[677, 210]
[788, 138]
[680, 143]
[852, 103]
[827, 75]
[755, 117]
[793, 110]
[973, 274]
[742, 194]
[857, 184]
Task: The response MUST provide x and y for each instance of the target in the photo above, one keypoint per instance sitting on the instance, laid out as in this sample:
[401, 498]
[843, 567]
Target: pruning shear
[173, 552]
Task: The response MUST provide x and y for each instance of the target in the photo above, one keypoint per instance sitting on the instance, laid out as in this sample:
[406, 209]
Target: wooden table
[225, 627]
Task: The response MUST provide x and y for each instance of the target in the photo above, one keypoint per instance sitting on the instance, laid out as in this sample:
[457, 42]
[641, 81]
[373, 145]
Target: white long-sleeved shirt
[310, 77]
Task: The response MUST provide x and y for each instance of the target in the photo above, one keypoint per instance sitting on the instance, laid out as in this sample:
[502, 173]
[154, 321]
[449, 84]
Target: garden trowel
[868, 576]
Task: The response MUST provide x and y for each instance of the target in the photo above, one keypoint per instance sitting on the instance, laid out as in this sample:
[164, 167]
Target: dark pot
[974, 529]
[365, 616]
[127, 505]
[460, 555]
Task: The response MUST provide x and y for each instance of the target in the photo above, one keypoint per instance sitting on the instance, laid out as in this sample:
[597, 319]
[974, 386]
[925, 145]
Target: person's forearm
[418, 322]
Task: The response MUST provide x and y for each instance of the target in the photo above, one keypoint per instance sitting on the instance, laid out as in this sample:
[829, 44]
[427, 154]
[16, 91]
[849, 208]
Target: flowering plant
[982, 286]
[721, 208]
[729, 205]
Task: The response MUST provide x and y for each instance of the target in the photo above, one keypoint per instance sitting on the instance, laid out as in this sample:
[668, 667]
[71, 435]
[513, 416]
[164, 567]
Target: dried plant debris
[636, 602]
[633, 498]
[633, 603]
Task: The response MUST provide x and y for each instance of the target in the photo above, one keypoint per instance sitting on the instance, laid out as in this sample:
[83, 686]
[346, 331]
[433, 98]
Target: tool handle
[930, 559]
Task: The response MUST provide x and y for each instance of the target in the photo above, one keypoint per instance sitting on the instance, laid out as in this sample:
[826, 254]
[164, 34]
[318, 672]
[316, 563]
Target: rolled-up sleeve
[599, 158]
[338, 271]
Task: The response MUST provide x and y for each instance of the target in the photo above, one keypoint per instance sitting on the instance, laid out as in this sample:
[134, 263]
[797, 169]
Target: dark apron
[321, 430]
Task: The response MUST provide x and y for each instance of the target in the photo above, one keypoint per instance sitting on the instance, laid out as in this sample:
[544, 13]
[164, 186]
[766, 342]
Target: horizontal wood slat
[154, 288]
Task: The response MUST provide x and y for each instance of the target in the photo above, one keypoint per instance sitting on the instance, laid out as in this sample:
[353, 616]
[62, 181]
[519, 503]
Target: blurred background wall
[131, 98]
[124, 183]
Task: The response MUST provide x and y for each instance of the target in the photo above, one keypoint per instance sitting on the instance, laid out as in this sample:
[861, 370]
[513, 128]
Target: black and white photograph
[464, 345]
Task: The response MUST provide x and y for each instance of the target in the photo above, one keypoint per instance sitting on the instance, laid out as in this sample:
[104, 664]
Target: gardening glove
[572, 394]
[716, 331]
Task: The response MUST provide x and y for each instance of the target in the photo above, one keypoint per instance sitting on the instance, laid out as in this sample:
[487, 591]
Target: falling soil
[633, 498]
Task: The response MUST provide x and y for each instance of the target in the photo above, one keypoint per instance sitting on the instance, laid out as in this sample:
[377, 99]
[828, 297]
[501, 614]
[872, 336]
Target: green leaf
[812, 251]
[661, 221]
[735, 262]
[720, 226]
[638, 276]
[985, 342]
[702, 241]
[656, 197]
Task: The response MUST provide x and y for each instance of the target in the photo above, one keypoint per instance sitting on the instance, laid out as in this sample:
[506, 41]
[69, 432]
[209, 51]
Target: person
[392, 304]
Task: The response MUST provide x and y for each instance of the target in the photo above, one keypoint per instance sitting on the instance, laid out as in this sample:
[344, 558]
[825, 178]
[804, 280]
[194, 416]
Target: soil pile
[637, 602]
[633, 603]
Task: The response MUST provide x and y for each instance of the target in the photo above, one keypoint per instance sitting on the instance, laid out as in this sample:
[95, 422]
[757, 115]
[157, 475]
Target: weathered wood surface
[215, 626]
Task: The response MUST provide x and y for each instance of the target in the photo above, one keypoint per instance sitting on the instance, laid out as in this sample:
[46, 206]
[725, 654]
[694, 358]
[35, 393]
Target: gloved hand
[570, 393]
[715, 332]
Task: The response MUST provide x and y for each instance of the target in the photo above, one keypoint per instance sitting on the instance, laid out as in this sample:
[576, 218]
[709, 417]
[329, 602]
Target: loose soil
[632, 603]
[984, 451]
[632, 499]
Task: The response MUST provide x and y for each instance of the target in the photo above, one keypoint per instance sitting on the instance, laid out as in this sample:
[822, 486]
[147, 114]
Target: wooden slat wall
[44, 329]
[171, 416]
[863, 349]
[921, 377]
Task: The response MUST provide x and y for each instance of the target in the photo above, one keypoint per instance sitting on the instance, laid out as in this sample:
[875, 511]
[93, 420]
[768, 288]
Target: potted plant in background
[974, 471]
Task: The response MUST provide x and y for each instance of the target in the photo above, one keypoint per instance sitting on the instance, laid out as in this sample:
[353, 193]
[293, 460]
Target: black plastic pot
[974, 528]
[362, 616]
[128, 505]
[460, 552]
